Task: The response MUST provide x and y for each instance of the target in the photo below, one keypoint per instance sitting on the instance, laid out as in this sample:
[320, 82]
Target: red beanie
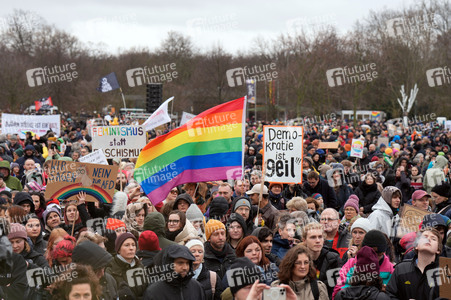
[113, 224]
[64, 248]
[148, 240]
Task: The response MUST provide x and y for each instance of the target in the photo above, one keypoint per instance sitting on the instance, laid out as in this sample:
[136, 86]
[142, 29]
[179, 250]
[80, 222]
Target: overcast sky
[234, 23]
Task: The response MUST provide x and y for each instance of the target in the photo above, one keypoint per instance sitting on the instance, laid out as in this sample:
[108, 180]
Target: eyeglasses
[174, 192]
[173, 221]
[327, 219]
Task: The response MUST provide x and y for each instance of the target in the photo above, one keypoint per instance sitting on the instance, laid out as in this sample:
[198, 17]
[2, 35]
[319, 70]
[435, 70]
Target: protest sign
[20, 124]
[67, 179]
[158, 117]
[411, 217]
[95, 157]
[186, 117]
[328, 145]
[283, 146]
[448, 125]
[357, 148]
[382, 140]
[119, 141]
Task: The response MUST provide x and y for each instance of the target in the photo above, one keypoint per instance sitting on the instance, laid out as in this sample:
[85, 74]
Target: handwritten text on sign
[119, 141]
[283, 153]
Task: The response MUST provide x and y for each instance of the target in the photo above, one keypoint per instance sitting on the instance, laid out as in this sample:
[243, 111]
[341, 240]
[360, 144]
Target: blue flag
[108, 83]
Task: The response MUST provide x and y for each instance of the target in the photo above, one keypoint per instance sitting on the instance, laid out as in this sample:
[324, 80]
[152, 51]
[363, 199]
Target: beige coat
[303, 290]
[188, 233]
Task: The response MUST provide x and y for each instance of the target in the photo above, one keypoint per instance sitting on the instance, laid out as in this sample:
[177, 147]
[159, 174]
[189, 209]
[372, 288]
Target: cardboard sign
[95, 157]
[357, 148]
[119, 141]
[328, 145]
[19, 124]
[411, 217]
[445, 267]
[382, 140]
[282, 156]
[67, 179]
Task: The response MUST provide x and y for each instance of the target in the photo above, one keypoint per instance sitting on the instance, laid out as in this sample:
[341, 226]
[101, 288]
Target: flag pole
[123, 98]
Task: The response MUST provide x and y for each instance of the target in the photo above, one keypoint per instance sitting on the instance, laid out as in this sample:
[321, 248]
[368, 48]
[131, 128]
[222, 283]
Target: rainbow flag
[208, 147]
[375, 114]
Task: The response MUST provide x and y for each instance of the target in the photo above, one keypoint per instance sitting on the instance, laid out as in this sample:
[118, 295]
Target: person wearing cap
[351, 211]
[24, 199]
[195, 216]
[3, 186]
[441, 196]
[267, 212]
[209, 280]
[11, 182]
[218, 254]
[420, 200]
[358, 231]
[182, 202]
[275, 195]
[19, 241]
[29, 153]
[219, 209]
[385, 212]
[116, 225]
[243, 207]
[411, 278]
[365, 279]
[52, 220]
[179, 282]
[90, 254]
[148, 247]
[125, 260]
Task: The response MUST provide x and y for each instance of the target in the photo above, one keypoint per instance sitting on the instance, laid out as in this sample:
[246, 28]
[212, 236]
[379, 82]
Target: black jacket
[34, 259]
[368, 196]
[407, 281]
[13, 281]
[327, 260]
[219, 264]
[118, 269]
[361, 292]
[323, 188]
[40, 245]
[175, 287]
[146, 257]
[204, 280]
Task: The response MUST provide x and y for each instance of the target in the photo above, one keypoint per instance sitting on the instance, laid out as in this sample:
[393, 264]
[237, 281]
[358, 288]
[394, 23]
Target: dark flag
[108, 83]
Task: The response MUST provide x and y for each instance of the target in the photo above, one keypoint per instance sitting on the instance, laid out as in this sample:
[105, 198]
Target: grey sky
[234, 23]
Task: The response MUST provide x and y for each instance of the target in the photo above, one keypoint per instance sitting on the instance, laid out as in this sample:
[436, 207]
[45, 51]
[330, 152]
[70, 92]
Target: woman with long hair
[297, 271]
[56, 236]
[134, 216]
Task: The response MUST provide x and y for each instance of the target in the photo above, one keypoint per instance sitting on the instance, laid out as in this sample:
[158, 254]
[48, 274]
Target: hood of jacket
[383, 206]
[155, 222]
[185, 197]
[5, 164]
[440, 162]
[22, 198]
[188, 233]
[89, 253]
[169, 255]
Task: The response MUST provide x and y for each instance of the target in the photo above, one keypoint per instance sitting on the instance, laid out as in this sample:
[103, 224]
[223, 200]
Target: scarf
[219, 254]
[197, 271]
[171, 235]
[275, 197]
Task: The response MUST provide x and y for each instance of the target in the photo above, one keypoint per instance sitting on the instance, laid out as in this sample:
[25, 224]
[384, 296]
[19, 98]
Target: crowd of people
[338, 235]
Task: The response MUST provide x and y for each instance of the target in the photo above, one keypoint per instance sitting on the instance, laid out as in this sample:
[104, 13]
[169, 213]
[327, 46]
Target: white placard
[119, 141]
[357, 148]
[283, 146]
[95, 157]
[19, 124]
[159, 117]
[186, 117]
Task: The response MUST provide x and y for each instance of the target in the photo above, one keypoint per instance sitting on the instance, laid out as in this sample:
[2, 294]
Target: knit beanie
[19, 153]
[148, 240]
[362, 223]
[113, 224]
[353, 201]
[234, 217]
[242, 202]
[387, 193]
[218, 207]
[375, 238]
[48, 211]
[193, 213]
[17, 231]
[121, 239]
[211, 226]
[64, 248]
[316, 196]
[367, 262]
[248, 271]
[442, 189]
[194, 242]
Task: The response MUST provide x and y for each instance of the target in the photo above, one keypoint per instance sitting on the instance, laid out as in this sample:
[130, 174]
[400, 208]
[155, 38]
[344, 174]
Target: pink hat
[17, 231]
[418, 194]
[353, 201]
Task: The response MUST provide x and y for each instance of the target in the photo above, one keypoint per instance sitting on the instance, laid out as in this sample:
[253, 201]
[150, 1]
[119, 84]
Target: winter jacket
[118, 269]
[249, 222]
[277, 201]
[188, 233]
[175, 287]
[204, 280]
[280, 246]
[328, 259]
[40, 245]
[368, 196]
[34, 259]
[340, 242]
[362, 292]
[408, 282]
[13, 281]
[11, 182]
[218, 263]
[346, 272]
[146, 257]
[303, 289]
[403, 184]
[323, 188]
[382, 218]
[269, 215]
[155, 222]
[343, 191]
[434, 176]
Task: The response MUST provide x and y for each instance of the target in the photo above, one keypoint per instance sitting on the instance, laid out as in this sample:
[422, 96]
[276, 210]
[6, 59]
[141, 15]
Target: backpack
[213, 279]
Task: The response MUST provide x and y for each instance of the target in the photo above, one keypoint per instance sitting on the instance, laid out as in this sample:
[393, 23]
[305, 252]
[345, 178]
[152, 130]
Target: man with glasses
[315, 185]
[336, 238]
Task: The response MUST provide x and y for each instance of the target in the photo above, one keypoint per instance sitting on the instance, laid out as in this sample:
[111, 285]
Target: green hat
[19, 152]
